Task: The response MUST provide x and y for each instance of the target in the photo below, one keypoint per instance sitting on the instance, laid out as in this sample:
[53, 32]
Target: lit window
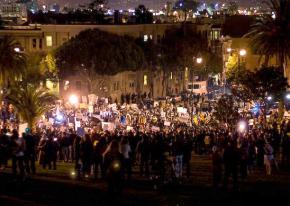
[48, 41]
[145, 37]
[145, 80]
[186, 73]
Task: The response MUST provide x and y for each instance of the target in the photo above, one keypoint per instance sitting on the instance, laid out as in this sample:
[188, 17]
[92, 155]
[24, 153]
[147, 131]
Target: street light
[288, 96]
[17, 49]
[198, 60]
[73, 100]
[243, 52]
[269, 98]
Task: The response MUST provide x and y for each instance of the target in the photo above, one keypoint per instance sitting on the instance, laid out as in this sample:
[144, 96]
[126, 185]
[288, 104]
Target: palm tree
[12, 61]
[31, 102]
[270, 34]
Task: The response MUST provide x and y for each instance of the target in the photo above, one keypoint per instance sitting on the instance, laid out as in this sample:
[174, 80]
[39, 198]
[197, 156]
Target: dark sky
[133, 3]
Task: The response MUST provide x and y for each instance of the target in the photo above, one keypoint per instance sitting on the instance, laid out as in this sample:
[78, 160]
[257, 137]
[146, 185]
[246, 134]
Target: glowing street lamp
[269, 98]
[199, 60]
[17, 49]
[242, 126]
[288, 96]
[229, 50]
[73, 99]
[243, 52]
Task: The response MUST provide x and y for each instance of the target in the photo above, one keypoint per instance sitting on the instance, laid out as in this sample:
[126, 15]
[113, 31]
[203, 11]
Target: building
[13, 13]
[45, 38]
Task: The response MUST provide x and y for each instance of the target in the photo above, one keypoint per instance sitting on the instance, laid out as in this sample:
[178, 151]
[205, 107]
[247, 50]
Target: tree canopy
[270, 34]
[263, 82]
[12, 61]
[143, 15]
[105, 52]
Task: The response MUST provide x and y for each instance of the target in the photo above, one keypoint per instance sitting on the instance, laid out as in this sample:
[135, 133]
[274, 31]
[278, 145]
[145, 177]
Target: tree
[98, 8]
[179, 48]
[233, 8]
[1, 22]
[258, 85]
[270, 35]
[226, 111]
[31, 102]
[12, 62]
[186, 6]
[143, 15]
[105, 52]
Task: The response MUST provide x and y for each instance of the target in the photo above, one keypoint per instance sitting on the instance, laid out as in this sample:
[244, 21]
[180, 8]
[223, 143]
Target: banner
[108, 126]
[84, 99]
[166, 123]
[22, 128]
[155, 129]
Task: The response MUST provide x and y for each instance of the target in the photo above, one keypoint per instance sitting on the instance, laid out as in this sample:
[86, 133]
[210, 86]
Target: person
[86, 154]
[114, 168]
[50, 153]
[18, 149]
[126, 151]
[4, 150]
[99, 149]
[216, 166]
[178, 154]
[29, 156]
[268, 158]
[187, 154]
[143, 150]
[77, 154]
[230, 159]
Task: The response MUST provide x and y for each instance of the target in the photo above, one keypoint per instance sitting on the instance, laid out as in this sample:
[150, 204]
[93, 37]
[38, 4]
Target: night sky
[125, 4]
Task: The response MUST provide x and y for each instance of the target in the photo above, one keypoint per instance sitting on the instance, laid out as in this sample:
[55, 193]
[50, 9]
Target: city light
[288, 96]
[59, 117]
[229, 50]
[73, 99]
[269, 98]
[17, 49]
[242, 126]
[199, 60]
[243, 52]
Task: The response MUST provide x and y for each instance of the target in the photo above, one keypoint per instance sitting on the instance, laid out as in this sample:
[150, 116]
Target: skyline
[125, 4]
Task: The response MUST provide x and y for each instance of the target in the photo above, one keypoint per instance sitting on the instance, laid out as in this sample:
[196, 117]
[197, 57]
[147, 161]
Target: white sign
[92, 99]
[155, 129]
[129, 128]
[181, 110]
[22, 128]
[166, 123]
[84, 99]
[108, 126]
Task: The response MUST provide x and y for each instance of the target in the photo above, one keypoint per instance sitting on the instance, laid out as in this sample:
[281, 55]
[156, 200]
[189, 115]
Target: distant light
[242, 126]
[59, 117]
[73, 173]
[288, 96]
[269, 98]
[180, 4]
[273, 15]
[73, 99]
[199, 60]
[229, 50]
[17, 49]
[243, 52]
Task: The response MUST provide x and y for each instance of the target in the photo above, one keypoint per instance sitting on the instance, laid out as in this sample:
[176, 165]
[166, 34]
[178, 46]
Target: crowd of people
[166, 154]
[157, 142]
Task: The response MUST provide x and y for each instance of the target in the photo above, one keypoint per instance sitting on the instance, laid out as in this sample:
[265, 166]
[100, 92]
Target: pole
[192, 98]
